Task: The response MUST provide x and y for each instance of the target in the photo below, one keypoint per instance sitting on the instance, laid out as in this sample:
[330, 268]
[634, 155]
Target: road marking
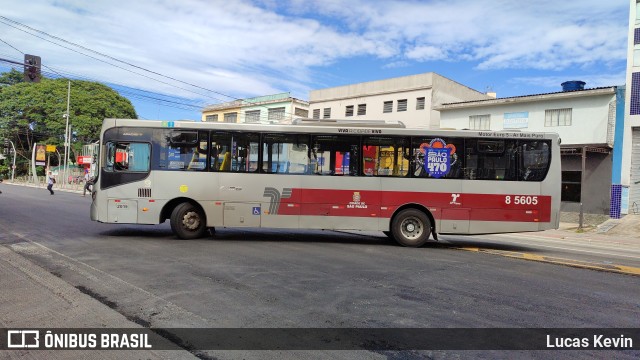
[620, 269]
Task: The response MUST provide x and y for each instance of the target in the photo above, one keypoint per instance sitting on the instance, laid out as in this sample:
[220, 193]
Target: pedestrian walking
[50, 181]
[88, 181]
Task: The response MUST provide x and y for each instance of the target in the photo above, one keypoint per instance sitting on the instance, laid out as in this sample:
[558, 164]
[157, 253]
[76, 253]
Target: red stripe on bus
[443, 206]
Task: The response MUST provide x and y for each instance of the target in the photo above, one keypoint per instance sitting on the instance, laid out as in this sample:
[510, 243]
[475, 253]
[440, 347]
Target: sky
[171, 58]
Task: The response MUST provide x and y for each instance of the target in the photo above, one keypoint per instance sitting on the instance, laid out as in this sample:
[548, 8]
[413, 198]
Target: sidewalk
[624, 231]
[33, 298]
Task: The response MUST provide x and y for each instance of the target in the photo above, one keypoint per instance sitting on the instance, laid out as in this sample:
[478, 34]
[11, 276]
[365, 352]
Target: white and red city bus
[326, 174]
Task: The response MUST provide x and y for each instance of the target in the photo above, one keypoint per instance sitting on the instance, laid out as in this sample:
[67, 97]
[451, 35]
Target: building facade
[270, 109]
[587, 121]
[629, 180]
[410, 99]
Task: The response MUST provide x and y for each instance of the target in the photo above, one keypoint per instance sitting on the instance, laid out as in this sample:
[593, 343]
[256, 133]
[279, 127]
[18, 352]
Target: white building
[586, 121]
[630, 164]
[410, 99]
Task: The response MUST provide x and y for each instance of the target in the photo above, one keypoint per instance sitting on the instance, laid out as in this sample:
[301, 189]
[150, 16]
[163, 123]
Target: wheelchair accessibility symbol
[256, 210]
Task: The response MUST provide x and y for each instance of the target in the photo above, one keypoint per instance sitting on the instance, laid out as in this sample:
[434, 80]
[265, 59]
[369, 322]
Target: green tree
[11, 78]
[34, 112]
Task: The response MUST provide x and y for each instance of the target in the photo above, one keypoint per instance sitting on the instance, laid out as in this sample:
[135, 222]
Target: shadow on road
[307, 236]
[470, 242]
[254, 234]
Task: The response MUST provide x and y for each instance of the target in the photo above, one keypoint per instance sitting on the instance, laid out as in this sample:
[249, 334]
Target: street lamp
[66, 134]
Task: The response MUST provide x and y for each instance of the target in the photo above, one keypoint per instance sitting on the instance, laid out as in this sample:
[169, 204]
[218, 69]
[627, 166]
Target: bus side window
[385, 156]
[244, 152]
[335, 155]
[285, 153]
[535, 160]
[440, 158]
[220, 157]
[491, 159]
[182, 150]
[198, 161]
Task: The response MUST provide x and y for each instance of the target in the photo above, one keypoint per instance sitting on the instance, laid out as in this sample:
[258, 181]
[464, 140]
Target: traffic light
[32, 68]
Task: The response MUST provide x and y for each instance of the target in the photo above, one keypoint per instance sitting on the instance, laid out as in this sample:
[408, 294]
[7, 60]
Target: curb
[620, 269]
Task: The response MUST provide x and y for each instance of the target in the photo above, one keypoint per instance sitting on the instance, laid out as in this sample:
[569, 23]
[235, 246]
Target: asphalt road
[271, 278]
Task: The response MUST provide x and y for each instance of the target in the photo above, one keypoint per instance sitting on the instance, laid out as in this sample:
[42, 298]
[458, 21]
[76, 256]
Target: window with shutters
[557, 117]
[276, 114]
[402, 105]
[480, 122]
[326, 114]
[387, 107]
[301, 112]
[231, 117]
[362, 109]
[252, 116]
[316, 113]
[349, 111]
[420, 103]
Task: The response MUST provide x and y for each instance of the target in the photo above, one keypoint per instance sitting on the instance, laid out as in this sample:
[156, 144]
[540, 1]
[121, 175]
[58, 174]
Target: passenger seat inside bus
[226, 162]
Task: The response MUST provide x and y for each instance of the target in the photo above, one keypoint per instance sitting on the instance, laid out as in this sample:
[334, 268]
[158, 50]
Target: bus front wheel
[188, 221]
[411, 227]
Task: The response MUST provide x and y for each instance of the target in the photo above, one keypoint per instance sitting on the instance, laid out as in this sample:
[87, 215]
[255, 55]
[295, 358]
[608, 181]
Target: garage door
[634, 188]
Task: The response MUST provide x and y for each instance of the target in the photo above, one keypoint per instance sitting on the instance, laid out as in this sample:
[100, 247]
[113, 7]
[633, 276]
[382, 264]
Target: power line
[103, 61]
[155, 100]
[4, 20]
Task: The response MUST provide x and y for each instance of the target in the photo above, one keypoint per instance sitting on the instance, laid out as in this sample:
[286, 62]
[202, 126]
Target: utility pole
[33, 165]
[66, 135]
[13, 168]
[68, 155]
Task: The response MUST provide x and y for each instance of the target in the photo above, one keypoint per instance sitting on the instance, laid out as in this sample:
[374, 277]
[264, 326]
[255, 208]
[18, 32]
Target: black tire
[411, 228]
[188, 221]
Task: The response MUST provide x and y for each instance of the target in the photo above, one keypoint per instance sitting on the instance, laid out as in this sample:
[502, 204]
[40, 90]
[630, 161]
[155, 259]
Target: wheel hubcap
[191, 220]
[412, 228]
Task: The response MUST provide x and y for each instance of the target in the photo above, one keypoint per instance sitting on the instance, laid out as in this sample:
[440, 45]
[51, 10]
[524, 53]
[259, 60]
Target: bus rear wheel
[188, 221]
[411, 227]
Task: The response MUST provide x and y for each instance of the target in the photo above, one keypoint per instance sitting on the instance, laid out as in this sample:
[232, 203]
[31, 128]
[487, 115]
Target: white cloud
[497, 34]
[426, 53]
